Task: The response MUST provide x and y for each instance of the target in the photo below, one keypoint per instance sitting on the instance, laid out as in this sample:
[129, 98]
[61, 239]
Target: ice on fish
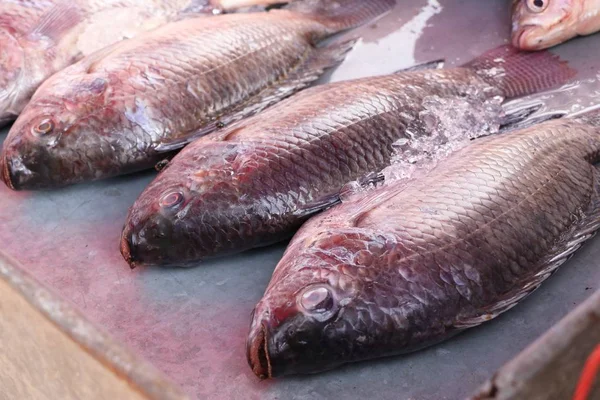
[407, 267]
[450, 124]
[255, 183]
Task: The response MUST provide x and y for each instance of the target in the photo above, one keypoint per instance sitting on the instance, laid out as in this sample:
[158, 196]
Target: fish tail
[519, 73]
[339, 15]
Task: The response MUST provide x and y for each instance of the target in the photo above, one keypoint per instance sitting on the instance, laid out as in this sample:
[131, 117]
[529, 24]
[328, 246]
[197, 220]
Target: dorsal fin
[436, 64]
[58, 21]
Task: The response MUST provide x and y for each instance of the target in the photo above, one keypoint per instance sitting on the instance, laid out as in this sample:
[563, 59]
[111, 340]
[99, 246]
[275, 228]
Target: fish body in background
[18, 16]
[406, 267]
[46, 36]
[540, 24]
[256, 183]
[16, 19]
[129, 106]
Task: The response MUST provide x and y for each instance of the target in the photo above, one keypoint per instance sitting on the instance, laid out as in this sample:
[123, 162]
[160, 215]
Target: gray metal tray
[192, 324]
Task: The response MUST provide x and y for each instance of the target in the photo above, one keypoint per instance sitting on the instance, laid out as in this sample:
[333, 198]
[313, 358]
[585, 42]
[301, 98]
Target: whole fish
[407, 267]
[52, 35]
[256, 183]
[539, 24]
[130, 105]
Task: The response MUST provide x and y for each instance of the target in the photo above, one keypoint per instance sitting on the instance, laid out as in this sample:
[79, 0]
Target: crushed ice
[449, 124]
[444, 126]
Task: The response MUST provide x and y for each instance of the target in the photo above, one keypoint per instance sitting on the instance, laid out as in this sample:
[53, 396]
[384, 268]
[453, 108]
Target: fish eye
[537, 6]
[171, 199]
[317, 299]
[44, 127]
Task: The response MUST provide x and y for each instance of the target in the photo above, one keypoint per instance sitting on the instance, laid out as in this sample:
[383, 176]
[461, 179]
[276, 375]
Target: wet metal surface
[192, 324]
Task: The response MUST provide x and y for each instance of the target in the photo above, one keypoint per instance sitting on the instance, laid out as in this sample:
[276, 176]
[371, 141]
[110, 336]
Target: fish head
[51, 143]
[12, 71]
[315, 315]
[157, 231]
[181, 218]
[539, 24]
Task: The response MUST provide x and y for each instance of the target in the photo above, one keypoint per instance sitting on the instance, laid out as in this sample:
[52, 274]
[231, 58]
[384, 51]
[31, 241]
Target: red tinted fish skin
[35, 46]
[59, 33]
[403, 268]
[250, 186]
[255, 184]
[17, 18]
[125, 108]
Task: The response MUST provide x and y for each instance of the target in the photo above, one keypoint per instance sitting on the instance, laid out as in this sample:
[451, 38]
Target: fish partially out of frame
[41, 37]
[540, 24]
[17, 18]
[407, 267]
[131, 105]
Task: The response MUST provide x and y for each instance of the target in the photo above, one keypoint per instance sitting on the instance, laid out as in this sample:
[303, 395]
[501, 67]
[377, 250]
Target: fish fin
[336, 198]
[339, 15]
[318, 206]
[57, 21]
[247, 5]
[309, 71]
[519, 73]
[523, 117]
[561, 252]
[436, 64]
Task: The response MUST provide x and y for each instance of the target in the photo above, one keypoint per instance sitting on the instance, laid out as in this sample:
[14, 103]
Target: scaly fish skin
[128, 106]
[58, 36]
[256, 183]
[16, 19]
[404, 268]
[21, 15]
[109, 115]
[540, 24]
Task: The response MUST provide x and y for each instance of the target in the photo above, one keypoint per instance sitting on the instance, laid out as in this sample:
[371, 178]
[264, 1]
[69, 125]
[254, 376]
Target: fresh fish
[18, 16]
[407, 267]
[16, 19]
[45, 39]
[256, 183]
[131, 105]
[539, 24]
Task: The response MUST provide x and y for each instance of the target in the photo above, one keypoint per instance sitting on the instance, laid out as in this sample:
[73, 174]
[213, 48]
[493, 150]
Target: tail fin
[520, 73]
[339, 15]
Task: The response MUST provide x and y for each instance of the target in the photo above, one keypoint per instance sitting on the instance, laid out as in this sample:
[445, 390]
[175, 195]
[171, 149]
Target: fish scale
[44, 37]
[204, 73]
[20, 15]
[293, 160]
[433, 273]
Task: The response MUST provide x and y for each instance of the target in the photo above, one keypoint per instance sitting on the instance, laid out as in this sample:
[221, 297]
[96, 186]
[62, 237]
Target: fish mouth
[126, 251]
[126, 248]
[258, 353]
[519, 37]
[5, 174]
